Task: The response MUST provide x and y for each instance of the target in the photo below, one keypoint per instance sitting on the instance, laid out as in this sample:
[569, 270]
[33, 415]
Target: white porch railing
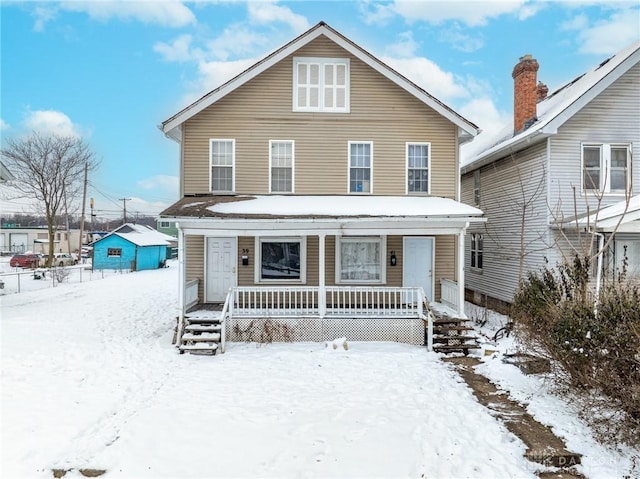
[341, 301]
[449, 295]
[191, 294]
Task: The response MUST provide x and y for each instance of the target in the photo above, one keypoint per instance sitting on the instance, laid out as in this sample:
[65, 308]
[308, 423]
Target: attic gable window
[321, 84]
[605, 167]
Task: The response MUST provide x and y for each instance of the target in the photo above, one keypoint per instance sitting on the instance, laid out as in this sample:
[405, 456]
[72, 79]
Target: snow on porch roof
[321, 206]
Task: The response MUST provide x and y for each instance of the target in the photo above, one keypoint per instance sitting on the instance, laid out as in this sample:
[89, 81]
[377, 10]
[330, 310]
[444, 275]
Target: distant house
[16, 238]
[168, 227]
[134, 247]
[562, 174]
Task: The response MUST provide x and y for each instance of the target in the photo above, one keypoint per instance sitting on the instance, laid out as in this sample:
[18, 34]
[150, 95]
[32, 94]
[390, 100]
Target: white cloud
[375, 13]
[235, 41]
[576, 23]
[42, 15]
[3, 125]
[176, 51]
[166, 183]
[51, 122]
[425, 73]
[472, 13]
[267, 12]
[405, 47]
[144, 207]
[461, 41]
[169, 13]
[612, 34]
[483, 112]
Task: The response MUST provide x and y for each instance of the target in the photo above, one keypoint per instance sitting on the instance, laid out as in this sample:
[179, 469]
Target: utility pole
[93, 217]
[124, 204]
[84, 203]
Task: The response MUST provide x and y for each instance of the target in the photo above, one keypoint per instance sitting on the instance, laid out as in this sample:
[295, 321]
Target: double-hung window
[222, 157]
[418, 160]
[605, 167]
[360, 260]
[321, 84]
[281, 160]
[281, 260]
[360, 167]
[476, 250]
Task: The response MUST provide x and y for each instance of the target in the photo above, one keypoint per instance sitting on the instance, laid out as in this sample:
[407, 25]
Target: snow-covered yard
[90, 380]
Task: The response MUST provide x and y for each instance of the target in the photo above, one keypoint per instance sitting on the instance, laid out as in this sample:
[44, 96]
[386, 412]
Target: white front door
[221, 268]
[417, 264]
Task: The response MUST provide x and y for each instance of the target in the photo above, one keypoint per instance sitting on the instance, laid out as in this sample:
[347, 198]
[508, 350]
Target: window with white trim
[360, 259]
[114, 252]
[476, 250]
[360, 167]
[222, 160]
[281, 260]
[321, 84]
[418, 160]
[605, 167]
[281, 160]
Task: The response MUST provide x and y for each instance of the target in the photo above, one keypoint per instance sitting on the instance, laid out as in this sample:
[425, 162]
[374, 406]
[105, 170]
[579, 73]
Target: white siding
[612, 117]
[505, 186]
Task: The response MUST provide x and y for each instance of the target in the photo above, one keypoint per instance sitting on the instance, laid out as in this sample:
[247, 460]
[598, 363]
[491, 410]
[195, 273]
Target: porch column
[181, 283]
[322, 293]
[460, 275]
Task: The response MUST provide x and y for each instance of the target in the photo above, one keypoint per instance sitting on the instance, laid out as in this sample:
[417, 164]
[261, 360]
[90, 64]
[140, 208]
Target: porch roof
[621, 217]
[321, 207]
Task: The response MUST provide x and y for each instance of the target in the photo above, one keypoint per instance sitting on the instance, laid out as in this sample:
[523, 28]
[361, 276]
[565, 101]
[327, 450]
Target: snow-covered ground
[90, 380]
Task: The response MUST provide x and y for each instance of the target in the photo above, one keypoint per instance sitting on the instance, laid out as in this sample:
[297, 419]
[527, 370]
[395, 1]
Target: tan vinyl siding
[261, 110]
[445, 266]
[194, 262]
[246, 273]
[394, 273]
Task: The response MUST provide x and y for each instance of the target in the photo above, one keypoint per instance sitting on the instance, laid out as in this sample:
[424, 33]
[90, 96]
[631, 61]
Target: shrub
[595, 340]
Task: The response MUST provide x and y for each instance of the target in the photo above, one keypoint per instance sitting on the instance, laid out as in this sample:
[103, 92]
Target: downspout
[599, 271]
[181, 285]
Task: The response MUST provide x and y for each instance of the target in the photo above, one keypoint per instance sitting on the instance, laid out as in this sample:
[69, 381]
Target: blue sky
[111, 71]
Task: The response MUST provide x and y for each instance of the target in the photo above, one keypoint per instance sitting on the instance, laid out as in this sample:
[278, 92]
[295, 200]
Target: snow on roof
[141, 235]
[343, 206]
[555, 109]
[621, 213]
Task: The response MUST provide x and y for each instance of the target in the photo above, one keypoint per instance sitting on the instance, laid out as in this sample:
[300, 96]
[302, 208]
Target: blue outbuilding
[132, 247]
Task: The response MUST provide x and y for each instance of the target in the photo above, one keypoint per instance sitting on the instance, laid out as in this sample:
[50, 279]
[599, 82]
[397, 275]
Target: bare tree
[50, 170]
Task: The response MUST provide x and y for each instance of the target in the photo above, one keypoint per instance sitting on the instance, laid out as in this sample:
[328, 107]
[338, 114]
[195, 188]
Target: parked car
[60, 259]
[26, 260]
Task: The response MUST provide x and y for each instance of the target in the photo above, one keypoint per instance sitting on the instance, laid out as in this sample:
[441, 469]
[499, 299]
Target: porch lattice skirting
[405, 330]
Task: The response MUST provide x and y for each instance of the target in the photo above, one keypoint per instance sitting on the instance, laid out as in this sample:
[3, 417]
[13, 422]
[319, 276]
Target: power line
[124, 204]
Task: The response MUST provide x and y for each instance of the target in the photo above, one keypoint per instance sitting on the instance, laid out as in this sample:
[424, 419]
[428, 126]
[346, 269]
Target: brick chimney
[525, 94]
[542, 91]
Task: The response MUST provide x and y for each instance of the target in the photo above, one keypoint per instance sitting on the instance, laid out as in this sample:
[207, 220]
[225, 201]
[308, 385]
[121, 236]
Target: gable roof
[172, 127]
[140, 235]
[552, 112]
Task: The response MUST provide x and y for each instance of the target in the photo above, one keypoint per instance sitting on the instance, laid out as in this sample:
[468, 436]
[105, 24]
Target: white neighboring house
[564, 171]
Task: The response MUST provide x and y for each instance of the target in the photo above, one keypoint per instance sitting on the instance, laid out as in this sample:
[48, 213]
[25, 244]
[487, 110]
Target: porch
[287, 313]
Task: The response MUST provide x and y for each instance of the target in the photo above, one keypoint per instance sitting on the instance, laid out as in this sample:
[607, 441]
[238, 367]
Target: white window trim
[321, 62]
[406, 169]
[382, 239]
[476, 250]
[293, 165]
[109, 255]
[233, 164]
[370, 192]
[605, 168]
[280, 239]
[476, 188]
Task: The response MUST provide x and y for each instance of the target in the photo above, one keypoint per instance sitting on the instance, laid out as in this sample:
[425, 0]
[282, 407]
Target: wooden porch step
[444, 339]
[446, 329]
[445, 320]
[198, 348]
[198, 320]
[449, 348]
[210, 337]
[204, 328]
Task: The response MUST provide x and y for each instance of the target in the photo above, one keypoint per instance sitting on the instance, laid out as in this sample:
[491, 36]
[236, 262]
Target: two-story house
[558, 181]
[322, 186]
